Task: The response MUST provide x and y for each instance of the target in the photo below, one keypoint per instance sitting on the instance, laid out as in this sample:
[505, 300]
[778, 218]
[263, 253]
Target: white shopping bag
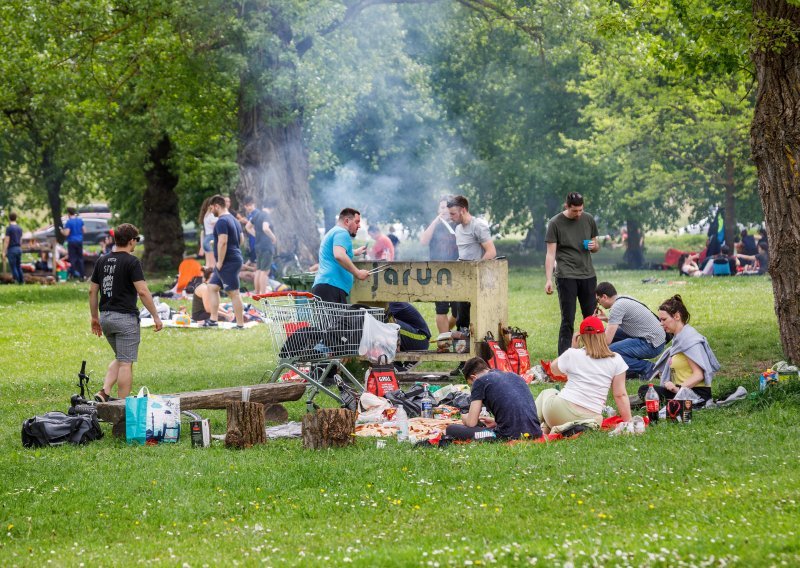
[378, 340]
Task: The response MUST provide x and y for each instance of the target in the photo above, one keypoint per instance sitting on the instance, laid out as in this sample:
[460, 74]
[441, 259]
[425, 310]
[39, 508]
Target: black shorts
[443, 307]
[263, 259]
[329, 293]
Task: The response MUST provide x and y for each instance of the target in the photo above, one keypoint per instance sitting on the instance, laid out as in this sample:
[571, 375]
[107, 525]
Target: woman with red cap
[591, 369]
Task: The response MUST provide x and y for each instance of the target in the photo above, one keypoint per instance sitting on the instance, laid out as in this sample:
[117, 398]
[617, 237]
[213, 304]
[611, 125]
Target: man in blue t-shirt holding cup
[336, 269]
[228, 239]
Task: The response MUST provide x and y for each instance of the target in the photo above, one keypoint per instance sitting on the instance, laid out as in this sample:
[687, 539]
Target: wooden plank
[213, 399]
[436, 377]
[431, 356]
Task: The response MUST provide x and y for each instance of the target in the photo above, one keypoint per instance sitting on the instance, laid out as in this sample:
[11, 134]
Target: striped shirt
[636, 320]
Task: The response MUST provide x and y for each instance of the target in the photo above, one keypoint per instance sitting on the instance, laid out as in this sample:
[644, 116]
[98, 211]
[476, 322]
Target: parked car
[94, 231]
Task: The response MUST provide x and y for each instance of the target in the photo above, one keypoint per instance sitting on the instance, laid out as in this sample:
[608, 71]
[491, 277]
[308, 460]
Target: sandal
[101, 396]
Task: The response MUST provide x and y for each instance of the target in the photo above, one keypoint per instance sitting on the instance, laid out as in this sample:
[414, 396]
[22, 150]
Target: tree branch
[484, 7]
[487, 7]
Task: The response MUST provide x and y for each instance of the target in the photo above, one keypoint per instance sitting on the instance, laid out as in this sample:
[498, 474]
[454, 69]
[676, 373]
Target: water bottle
[651, 403]
[401, 419]
[427, 404]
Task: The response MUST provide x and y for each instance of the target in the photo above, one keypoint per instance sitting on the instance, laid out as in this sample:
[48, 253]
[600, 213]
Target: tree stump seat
[270, 395]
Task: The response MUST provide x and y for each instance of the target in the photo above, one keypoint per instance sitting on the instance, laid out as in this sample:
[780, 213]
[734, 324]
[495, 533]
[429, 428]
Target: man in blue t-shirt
[73, 230]
[12, 247]
[506, 396]
[336, 269]
[227, 238]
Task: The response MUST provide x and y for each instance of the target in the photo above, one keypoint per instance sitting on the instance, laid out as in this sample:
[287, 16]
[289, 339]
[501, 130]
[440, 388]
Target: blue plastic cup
[586, 243]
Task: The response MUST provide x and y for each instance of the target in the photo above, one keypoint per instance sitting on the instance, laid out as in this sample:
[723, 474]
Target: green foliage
[670, 103]
[505, 94]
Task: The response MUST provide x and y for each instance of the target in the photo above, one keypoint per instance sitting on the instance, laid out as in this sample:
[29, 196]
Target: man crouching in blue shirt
[506, 396]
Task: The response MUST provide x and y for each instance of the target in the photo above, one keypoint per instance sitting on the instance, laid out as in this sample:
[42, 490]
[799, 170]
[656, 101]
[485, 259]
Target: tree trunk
[329, 428]
[161, 221]
[246, 426]
[534, 238]
[730, 202]
[53, 176]
[634, 254]
[775, 143]
[273, 164]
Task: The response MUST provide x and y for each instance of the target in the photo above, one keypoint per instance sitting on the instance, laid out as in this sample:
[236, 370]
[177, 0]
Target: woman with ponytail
[689, 362]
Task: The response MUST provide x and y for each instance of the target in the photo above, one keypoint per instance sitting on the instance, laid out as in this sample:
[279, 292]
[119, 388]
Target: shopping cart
[312, 337]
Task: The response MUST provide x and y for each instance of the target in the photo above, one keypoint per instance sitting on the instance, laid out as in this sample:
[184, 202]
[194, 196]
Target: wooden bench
[271, 395]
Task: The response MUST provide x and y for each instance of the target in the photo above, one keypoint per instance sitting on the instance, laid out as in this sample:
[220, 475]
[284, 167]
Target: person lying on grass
[591, 371]
[689, 362]
[506, 396]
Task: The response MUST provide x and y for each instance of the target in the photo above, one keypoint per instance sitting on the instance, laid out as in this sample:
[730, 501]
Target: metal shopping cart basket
[312, 337]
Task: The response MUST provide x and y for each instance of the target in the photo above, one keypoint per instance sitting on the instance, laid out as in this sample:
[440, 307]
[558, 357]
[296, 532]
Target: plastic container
[427, 404]
[401, 419]
[651, 403]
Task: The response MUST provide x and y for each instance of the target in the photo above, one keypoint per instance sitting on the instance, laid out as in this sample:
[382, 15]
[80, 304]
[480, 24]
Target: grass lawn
[722, 490]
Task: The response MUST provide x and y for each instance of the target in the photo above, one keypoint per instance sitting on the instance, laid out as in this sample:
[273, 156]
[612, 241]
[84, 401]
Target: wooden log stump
[329, 428]
[246, 426]
[276, 413]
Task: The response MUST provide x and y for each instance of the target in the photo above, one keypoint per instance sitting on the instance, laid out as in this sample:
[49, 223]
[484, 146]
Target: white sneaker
[638, 425]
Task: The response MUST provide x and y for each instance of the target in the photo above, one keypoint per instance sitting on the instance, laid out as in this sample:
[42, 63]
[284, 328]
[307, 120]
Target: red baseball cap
[592, 325]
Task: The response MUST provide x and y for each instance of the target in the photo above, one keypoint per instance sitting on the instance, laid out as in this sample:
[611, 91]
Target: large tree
[775, 136]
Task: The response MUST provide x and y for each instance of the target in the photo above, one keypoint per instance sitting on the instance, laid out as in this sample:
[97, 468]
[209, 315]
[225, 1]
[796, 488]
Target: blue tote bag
[136, 417]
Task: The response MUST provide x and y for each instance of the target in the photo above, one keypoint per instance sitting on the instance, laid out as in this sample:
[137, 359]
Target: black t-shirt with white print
[115, 273]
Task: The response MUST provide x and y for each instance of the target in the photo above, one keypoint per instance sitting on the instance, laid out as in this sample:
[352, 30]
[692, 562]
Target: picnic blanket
[418, 427]
[148, 322]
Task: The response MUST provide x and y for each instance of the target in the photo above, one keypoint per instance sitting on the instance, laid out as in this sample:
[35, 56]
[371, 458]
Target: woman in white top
[590, 372]
[207, 220]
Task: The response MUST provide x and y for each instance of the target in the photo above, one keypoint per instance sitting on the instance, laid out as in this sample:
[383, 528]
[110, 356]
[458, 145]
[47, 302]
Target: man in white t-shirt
[474, 240]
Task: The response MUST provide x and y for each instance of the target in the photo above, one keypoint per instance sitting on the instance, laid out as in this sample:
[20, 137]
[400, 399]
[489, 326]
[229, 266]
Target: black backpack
[57, 428]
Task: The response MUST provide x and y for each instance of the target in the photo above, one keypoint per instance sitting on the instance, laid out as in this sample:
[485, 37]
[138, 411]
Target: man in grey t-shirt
[474, 240]
[571, 240]
[633, 330]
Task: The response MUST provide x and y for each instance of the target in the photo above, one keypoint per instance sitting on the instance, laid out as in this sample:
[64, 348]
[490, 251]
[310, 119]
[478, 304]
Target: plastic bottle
[401, 419]
[651, 403]
[427, 403]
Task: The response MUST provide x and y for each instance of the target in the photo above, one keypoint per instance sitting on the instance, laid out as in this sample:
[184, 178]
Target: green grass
[721, 490]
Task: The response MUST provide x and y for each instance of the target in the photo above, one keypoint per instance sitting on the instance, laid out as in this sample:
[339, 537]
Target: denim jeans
[14, 255]
[570, 292]
[75, 251]
[635, 351]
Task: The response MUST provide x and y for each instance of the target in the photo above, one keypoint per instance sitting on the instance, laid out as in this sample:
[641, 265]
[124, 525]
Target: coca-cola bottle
[651, 403]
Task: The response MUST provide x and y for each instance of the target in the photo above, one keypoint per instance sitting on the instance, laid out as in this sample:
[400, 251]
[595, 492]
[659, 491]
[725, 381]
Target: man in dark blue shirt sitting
[506, 396]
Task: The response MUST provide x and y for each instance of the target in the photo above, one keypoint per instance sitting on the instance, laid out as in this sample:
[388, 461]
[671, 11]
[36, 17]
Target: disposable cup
[246, 394]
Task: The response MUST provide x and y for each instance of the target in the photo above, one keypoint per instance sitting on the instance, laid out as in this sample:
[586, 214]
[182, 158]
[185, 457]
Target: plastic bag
[689, 394]
[378, 340]
[372, 408]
